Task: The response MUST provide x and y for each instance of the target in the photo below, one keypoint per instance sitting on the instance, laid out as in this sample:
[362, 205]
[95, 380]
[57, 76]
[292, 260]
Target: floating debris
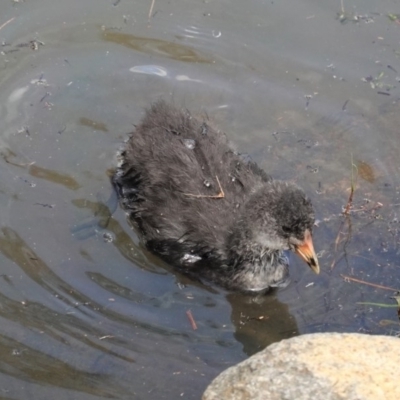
[149, 70]
[397, 298]
[108, 237]
[45, 205]
[394, 17]
[24, 129]
[189, 143]
[378, 83]
[345, 17]
[6, 23]
[365, 171]
[191, 320]
[312, 169]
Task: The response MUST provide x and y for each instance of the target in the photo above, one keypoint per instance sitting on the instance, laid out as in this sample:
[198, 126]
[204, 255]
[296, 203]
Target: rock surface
[328, 366]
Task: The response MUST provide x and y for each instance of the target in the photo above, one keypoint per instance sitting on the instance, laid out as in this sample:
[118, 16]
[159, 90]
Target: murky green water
[86, 312]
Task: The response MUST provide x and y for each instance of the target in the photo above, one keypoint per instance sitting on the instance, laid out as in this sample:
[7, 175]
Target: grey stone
[327, 366]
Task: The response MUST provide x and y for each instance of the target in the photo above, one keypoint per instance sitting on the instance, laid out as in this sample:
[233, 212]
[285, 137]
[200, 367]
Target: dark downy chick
[199, 206]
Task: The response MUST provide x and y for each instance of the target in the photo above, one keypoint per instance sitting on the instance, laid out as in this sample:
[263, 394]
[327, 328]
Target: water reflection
[103, 223]
[98, 126]
[40, 172]
[156, 47]
[258, 321]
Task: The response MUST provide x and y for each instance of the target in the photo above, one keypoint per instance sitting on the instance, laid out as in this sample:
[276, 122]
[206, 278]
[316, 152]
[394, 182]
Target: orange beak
[307, 253]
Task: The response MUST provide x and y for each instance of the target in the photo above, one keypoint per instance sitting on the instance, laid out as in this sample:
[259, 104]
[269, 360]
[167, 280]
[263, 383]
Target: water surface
[304, 89]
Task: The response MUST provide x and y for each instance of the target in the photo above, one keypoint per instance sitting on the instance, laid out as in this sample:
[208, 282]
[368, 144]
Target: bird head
[283, 219]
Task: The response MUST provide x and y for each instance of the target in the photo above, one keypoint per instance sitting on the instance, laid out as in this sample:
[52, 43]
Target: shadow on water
[258, 321]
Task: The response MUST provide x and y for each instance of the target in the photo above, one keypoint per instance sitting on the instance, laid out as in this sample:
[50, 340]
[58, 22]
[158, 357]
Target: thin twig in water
[220, 195]
[383, 305]
[364, 209]
[347, 219]
[191, 319]
[348, 233]
[151, 8]
[7, 22]
[349, 278]
[338, 240]
[350, 200]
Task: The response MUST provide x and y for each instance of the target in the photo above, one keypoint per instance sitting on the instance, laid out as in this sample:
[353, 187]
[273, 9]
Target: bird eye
[286, 229]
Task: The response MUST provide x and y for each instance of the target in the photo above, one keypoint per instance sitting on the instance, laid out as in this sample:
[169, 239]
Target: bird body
[202, 208]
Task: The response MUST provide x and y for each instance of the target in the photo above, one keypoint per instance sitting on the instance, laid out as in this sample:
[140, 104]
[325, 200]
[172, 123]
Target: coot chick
[202, 208]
